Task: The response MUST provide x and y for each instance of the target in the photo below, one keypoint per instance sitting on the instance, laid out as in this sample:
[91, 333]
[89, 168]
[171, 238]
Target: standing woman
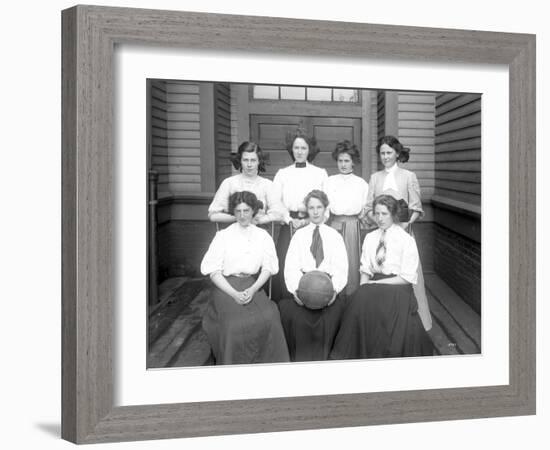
[310, 333]
[291, 185]
[243, 326]
[403, 185]
[347, 195]
[249, 160]
[381, 319]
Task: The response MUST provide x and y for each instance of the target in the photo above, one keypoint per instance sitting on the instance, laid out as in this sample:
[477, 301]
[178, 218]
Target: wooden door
[270, 131]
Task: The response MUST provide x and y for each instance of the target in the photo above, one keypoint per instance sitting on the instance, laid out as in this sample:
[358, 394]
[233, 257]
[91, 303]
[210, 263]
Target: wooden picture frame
[89, 36]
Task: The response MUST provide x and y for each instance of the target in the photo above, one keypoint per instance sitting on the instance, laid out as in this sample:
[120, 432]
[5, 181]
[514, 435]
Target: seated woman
[243, 326]
[310, 333]
[381, 319]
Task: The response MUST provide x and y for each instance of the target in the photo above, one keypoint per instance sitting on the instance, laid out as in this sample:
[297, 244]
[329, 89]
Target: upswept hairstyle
[346, 147]
[389, 202]
[247, 197]
[319, 195]
[310, 141]
[251, 147]
[393, 142]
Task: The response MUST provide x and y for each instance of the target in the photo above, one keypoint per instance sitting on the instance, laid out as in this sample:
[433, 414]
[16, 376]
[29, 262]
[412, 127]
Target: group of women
[378, 307]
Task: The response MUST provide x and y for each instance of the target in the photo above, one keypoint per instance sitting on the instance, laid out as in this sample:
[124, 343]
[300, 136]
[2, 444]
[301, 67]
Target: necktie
[317, 247]
[381, 249]
[300, 165]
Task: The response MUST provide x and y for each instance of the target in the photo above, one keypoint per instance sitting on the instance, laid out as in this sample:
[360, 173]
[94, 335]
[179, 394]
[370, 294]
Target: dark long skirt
[244, 334]
[381, 321]
[310, 333]
[348, 227]
[278, 285]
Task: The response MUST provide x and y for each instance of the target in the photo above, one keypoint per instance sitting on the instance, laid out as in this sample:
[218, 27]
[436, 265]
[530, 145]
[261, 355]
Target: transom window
[266, 92]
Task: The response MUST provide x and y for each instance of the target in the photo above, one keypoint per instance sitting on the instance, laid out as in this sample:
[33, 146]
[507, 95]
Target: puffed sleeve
[274, 207]
[365, 197]
[324, 182]
[365, 265]
[409, 260]
[269, 255]
[324, 178]
[413, 187]
[340, 262]
[370, 194]
[293, 266]
[220, 203]
[278, 182]
[213, 259]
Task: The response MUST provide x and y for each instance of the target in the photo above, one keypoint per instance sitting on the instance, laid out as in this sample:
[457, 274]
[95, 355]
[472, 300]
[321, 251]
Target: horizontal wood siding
[381, 128]
[458, 148]
[233, 97]
[159, 133]
[223, 131]
[370, 132]
[416, 125]
[181, 165]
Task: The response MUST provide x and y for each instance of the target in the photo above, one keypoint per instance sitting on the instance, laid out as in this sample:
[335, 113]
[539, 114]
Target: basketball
[315, 289]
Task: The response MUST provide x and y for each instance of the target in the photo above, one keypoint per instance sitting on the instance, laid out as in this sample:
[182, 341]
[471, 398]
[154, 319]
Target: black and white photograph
[275, 225]
[295, 223]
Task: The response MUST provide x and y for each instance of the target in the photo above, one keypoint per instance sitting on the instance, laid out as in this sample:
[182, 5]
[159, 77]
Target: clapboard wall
[416, 130]
[158, 133]
[410, 116]
[457, 197]
[191, 138]
[381, 130]
[223, 131]
[184, 158]
[458, 150]
[175, 136]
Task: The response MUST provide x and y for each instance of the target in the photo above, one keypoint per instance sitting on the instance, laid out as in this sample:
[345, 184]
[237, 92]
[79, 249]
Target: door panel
[270, 131]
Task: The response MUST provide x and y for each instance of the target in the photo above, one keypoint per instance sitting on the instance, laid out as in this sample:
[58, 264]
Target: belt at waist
[344, 217]
[382, 276]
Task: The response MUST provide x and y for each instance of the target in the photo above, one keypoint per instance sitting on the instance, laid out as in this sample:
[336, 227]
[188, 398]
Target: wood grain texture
[89, 36]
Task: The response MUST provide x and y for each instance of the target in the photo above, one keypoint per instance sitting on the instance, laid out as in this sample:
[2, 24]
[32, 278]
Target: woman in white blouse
[291, 185]
[347, 195]
[249, 160]
[310, 333]
[381, 319]
[243, 326]
[403, 185]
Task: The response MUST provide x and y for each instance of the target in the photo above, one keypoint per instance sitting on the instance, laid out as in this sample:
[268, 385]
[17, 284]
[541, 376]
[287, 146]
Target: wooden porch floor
[176, 338]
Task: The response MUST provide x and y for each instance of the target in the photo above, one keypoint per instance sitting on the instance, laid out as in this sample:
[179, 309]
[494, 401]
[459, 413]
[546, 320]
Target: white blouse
[347, 194]
[260, 186]
[389, 182]
[292, 184]
[401, 254]
[300, 260]
[240, 250]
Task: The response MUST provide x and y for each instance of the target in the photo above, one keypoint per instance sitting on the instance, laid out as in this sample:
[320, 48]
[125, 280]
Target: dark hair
[247, 197]
[319, 195]
[310, 141]
[251, 147]
[349, 148]
[393, 142]
[389, 202]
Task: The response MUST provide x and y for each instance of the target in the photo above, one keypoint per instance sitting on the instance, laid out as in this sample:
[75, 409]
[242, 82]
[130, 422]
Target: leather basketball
[315, 289]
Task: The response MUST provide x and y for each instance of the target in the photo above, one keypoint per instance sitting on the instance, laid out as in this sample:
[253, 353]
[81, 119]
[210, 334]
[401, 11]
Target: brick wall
[458, 262]
[424, 236]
